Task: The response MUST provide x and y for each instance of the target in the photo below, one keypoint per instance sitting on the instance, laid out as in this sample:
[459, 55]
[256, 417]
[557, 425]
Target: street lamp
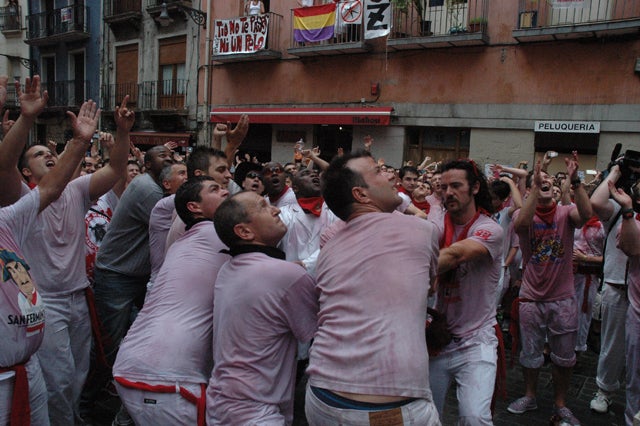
[197, 16]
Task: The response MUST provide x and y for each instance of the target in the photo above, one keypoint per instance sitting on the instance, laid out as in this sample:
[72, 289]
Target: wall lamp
[197, 16]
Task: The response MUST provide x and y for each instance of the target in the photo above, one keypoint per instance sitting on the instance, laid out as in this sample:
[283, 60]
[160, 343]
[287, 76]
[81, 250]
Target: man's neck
[462, 218]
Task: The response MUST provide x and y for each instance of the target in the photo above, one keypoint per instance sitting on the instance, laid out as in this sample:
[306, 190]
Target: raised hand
[84, 125]
[368, 141]
[171, 145]
[124, 117]
[107, 142]
[4, 80]
[237, 135]
[572, 166]
[6, 123]
[620, 196]
[31, 101]
[537, 174]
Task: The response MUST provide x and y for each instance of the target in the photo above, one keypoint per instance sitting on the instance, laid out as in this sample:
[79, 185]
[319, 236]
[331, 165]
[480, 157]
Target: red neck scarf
[449, 230]
[546, 214]
[593, 222]
[31, 185]
[275, 199]
[311, 205]
[404, 191]
[425, 206]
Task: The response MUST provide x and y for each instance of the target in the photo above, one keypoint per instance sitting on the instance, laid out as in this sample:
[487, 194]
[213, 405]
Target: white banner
[377, 18]
[240, 35]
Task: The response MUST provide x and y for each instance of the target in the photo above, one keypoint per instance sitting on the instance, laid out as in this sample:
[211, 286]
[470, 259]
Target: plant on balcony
[476, 24]
[418, 5]
[455, 10]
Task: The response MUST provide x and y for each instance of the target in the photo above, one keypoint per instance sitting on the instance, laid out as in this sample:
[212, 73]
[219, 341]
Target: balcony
[12, 96]
[154, 8]
[59, 25]
[259, 43]
[576, 19]
[425, 24]
[10, 20]
[69, 93]
[123, 14]
[156, 96]
[347, 39]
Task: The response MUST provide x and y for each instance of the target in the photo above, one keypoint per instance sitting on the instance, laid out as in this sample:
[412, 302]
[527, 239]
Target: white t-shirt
[469, 300]
[171, 336]
[373, 277]
[56, 251]
[262, 307]
[302, 240]
[23, 315]
[159, 224]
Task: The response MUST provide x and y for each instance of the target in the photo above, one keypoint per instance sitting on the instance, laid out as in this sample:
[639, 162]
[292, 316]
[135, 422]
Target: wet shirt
[21, 309]
[373, 277]
[171, 336]
[547, 253]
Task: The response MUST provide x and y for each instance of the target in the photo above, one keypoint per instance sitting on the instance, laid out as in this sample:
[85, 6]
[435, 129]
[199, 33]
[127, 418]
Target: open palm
[85, 123]
[31, 101]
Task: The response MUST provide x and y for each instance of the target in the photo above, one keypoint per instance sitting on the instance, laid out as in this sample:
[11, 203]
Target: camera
[629, 164]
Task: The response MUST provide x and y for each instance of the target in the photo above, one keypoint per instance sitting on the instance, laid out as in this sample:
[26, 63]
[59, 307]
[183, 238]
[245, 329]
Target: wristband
[575, 183]
[627, 213]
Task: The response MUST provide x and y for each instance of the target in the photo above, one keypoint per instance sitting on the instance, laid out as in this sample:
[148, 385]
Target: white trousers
[611, 360]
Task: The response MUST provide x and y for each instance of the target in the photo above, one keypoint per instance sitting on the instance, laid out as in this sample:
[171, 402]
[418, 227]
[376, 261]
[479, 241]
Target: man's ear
[360, 194]
[198, 172]
[244, 232]
[194, 207]
[26, 172]
[166, 185]
[476, 188]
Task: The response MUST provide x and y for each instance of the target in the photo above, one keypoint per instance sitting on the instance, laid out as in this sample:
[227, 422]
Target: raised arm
[31, 105]
[584, 212]
[105, 178]
[460, 252]
[600, 197]
[525, 218]
[516, 198]
[84, 126]
[629, 238]
[314, 155]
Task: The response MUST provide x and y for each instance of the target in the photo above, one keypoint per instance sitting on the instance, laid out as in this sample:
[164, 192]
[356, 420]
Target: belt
[621, 287]
[199, 402]
[20, 409]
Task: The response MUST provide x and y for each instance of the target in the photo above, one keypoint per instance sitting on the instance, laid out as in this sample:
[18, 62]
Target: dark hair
[500, 189]
[529, 180]
[133, 162]
[23, 161]
[199, 159]
[148, 156]
[243, 168]
[230, 213]
[408, 169]
[187, 192]
[338, 181]
[474, 175]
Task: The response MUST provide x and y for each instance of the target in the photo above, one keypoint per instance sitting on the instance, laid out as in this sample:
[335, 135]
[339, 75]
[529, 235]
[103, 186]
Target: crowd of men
[202, 296]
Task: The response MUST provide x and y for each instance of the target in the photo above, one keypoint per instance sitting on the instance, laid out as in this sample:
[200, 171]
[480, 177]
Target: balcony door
[172, 84]
[126, 76]
[78, 78]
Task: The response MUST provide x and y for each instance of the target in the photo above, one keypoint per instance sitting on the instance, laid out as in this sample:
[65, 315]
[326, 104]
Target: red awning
[354, 116]
[159, 138]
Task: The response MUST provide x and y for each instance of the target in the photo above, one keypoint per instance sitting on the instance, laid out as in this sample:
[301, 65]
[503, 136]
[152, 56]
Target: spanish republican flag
[314, 23]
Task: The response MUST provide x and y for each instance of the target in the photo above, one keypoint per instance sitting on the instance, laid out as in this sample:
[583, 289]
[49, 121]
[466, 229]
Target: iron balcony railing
[66, 93]
[147, 95]
[158, 3]
[12, 95]
[57, 22]
[10, 18]
[121, 7]
[557, 13]
[422, 18]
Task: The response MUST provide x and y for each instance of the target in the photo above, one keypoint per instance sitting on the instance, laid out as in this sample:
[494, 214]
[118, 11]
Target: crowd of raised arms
[200, 288]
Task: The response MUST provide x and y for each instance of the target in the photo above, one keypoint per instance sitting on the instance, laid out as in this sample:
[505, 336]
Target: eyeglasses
[252, 175]
[268, 171]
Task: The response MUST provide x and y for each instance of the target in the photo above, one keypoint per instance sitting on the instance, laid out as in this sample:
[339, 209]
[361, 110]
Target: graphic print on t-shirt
[31, 315]
[546, 245]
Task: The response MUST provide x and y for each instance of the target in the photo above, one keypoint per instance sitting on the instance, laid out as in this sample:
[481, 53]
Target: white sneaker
[600, 402]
